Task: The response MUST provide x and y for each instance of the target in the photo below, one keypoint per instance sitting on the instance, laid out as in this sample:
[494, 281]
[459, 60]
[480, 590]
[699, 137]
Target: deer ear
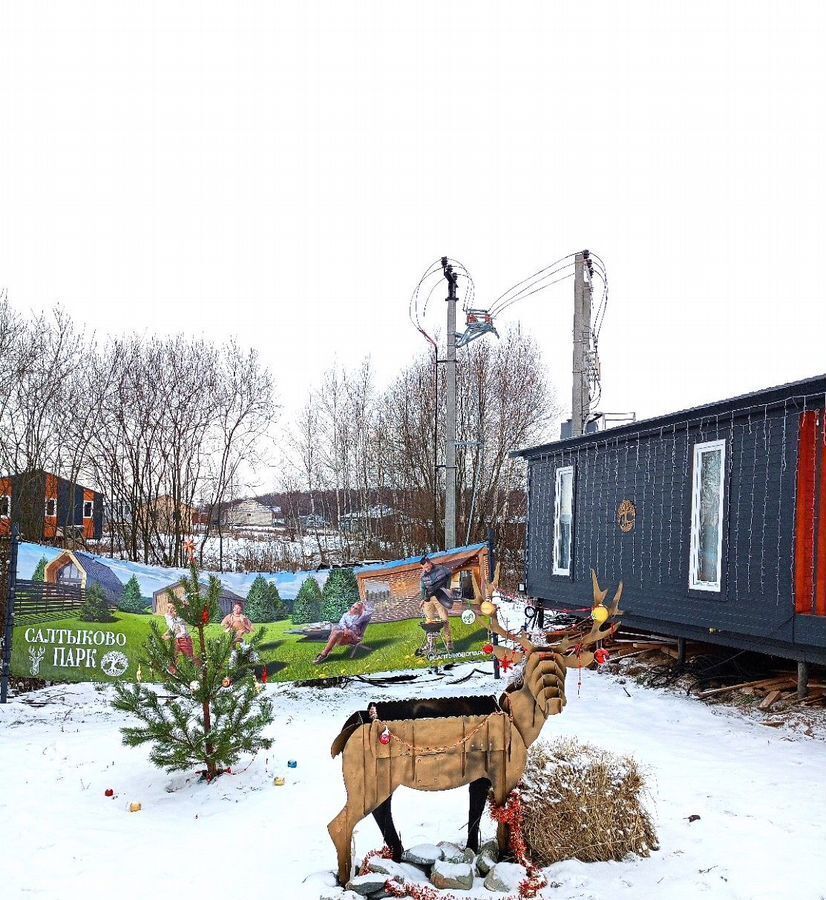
[515, 656]
[599, 595]
[579, 660]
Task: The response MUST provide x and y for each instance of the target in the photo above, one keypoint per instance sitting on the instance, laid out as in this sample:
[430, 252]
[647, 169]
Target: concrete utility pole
[581, 397]
[450, 414]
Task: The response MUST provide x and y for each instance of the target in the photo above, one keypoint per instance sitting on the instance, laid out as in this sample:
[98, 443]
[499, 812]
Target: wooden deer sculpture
[443, 743]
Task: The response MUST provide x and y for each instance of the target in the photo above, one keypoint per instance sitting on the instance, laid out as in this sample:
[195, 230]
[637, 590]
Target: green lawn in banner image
[289, 657]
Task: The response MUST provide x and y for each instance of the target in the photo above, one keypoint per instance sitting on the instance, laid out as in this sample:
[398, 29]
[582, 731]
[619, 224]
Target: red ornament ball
[385, 737]
[205, 617]
[488, 648]
[601, 656]
[109, 792]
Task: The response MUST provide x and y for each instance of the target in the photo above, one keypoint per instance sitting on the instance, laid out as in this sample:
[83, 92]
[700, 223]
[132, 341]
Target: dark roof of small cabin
[100, 574]
[766, 397]
[226, 593]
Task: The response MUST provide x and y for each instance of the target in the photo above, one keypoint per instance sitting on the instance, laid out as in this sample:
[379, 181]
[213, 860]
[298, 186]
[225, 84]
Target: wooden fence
[38, 601]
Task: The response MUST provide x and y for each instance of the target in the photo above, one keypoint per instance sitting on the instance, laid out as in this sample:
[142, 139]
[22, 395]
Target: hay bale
[581, 802]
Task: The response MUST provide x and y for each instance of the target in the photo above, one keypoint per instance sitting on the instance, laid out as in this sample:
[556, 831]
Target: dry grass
[584, 803]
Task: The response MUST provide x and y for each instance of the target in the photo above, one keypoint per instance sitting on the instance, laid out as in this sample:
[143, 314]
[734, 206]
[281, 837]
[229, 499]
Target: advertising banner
[83, 617]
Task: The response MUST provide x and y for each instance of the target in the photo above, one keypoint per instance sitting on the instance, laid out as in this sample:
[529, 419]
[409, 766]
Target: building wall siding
[655, 472]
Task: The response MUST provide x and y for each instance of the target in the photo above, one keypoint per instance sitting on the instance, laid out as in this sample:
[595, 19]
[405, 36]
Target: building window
[88, 507]
[563, 520]
[51, 507]
[5, 506]
[707, 498]
[70, 575]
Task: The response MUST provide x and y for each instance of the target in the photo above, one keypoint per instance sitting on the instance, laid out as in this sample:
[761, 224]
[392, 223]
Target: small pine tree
[40, 570]
[212, 711]
[95, 608]
[307, 605]
[131, 600]
[340, 592]
[263, 602]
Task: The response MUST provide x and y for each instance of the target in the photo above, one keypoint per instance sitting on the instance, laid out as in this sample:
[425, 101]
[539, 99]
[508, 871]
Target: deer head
[572, 644]
[542, 690]
[36, 655]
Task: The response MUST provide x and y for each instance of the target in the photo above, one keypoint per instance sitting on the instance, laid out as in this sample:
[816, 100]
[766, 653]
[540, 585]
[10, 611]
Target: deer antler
[599, 630]
[527, 645]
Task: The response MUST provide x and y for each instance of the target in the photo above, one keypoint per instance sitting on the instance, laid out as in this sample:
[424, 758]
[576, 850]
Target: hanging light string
[743, 479]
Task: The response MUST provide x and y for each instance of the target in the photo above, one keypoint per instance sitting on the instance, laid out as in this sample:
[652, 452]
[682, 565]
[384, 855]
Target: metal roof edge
[763, 397]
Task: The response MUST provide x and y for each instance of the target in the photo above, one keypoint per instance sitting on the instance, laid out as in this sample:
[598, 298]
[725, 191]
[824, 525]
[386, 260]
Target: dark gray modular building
[714, 517]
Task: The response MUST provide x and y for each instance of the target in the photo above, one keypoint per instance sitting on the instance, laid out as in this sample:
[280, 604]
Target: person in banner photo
[437, 596]
[179, 632]
[237, 624]
[350, 629]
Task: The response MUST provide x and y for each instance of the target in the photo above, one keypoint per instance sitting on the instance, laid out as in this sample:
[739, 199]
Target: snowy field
[760, 793]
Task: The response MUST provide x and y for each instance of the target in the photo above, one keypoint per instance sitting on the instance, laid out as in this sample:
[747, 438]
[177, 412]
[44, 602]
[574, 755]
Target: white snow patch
[759, 793]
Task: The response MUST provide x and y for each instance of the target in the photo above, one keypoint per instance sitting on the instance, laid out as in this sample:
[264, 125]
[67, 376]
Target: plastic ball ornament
[599, 614]
[194, 685]
[487, 608]
[384, 737]
[488, 648]
[226, 683]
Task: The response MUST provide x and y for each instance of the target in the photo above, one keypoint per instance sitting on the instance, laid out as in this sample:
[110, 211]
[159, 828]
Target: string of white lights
[783, 464]
[750, 554]
[671, 511]
[766, 436]
[731, 470]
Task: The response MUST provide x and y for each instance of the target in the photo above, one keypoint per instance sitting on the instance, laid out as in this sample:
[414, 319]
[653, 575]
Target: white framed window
[707, 510]
[563, 520]
[51, 507]
[88, 509]
[5, 506]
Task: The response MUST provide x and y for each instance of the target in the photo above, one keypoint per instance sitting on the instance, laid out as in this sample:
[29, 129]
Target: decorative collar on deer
[442, 743]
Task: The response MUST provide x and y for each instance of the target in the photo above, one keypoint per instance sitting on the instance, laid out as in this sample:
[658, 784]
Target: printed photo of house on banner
[81, 617]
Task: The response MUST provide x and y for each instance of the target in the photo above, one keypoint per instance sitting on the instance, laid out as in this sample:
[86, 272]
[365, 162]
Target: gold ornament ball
[487, 608]
[599, 614]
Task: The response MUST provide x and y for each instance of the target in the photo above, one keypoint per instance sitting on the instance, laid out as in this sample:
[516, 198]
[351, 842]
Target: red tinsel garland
[511, 815]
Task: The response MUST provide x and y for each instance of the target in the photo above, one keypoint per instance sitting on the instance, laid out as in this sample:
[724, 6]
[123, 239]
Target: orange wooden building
[49, 508]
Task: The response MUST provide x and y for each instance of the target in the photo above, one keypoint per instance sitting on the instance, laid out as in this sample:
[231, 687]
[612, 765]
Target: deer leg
[341, 832]
[478, 795]
[383, 815]
[503, 832]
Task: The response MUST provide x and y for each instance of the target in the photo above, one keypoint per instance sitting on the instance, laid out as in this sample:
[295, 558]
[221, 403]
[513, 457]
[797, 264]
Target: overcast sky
[286, 171]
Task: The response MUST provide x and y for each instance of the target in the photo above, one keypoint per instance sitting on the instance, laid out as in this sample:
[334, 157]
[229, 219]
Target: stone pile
[445, 866]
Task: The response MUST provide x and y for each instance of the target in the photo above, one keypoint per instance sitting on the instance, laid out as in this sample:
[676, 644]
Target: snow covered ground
[760, 793]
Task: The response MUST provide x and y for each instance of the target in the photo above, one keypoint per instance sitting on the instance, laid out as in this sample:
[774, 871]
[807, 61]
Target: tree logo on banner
[626, 516]
[114, 663]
